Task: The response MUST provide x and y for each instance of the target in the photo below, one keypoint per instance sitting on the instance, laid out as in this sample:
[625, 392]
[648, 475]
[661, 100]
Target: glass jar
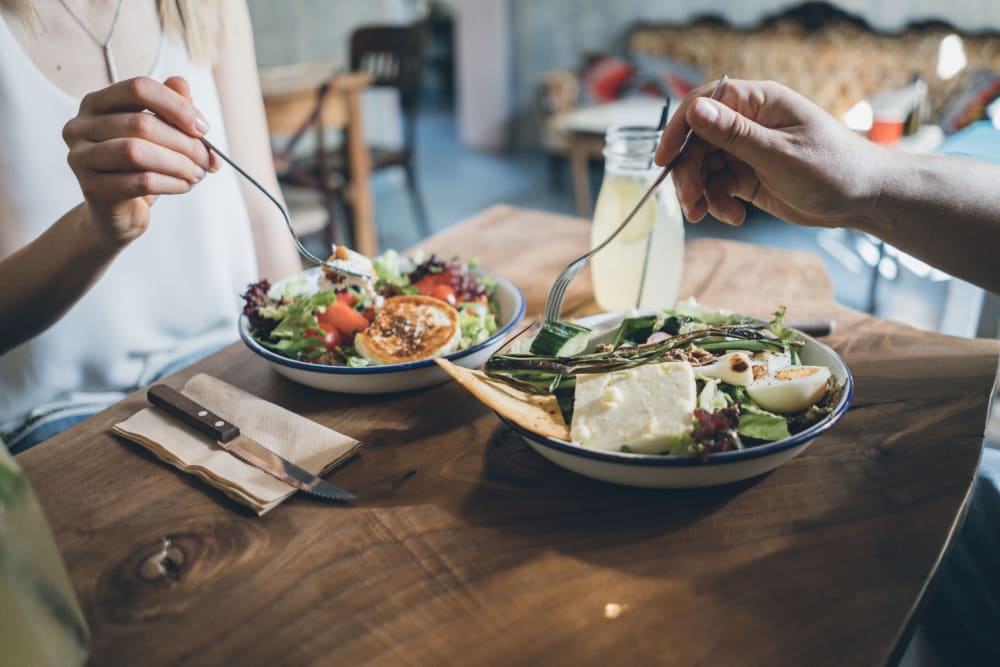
[41, 623]
[642, 267]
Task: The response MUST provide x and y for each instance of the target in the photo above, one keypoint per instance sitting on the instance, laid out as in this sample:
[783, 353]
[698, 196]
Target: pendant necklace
[109, 57]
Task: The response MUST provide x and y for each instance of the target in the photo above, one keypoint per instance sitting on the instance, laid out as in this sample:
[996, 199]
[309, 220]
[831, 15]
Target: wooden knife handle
[191, 413]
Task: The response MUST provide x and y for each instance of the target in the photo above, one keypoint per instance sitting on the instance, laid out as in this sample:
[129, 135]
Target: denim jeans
[43, 427]
[962, 622]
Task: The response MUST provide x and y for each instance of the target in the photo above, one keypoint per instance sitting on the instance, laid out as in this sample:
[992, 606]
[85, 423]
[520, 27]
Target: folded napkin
[309, 445]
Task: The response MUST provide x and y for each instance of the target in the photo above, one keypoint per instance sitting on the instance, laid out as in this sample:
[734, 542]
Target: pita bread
[532, 412]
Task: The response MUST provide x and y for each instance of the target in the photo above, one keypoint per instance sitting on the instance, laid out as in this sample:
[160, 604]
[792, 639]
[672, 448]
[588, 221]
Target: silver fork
[284, 214]
[553, 304]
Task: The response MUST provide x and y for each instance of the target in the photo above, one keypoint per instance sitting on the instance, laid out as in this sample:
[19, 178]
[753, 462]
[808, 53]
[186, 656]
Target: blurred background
[393, 119]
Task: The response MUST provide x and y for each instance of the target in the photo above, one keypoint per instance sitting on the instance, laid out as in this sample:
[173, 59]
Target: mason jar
[642, 267]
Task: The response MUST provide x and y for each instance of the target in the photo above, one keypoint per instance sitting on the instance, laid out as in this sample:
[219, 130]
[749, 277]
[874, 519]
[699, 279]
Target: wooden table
[467, 548]
[290, 95]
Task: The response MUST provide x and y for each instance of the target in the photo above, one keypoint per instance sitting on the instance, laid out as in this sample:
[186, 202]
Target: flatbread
[539, 414]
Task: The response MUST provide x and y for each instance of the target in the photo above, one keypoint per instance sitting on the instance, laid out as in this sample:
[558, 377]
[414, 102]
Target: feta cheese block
[642, 408]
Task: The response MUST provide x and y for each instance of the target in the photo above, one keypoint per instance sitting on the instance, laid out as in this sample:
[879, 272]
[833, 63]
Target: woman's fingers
[140, 125]
[122, 186]
[180, 85]
[136, 155]
[144, 93]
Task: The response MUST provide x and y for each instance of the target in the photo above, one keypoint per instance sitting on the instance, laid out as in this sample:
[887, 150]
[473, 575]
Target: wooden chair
[394, 58]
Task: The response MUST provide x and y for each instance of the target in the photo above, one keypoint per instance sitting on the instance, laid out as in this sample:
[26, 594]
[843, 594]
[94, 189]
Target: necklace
[105, 44]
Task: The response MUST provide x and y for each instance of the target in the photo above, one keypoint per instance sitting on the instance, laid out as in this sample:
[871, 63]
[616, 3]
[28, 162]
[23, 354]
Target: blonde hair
[198, 22]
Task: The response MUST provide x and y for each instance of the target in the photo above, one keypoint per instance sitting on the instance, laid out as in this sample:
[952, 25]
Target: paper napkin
[302, 441]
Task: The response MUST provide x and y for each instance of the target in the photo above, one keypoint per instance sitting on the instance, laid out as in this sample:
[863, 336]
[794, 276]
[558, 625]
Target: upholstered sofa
[830, 56]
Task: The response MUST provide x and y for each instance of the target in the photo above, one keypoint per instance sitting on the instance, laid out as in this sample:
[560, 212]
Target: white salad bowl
[395, 377]
[674, 472]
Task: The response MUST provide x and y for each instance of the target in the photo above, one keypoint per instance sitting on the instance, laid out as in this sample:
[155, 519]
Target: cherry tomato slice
[445, 293]
[427, 284]
[345, 318]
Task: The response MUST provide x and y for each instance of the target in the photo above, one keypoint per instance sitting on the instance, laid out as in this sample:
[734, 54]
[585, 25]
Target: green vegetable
[12, 482]
[674, 323]
[748, 345]
[679, 444]
[288, 290]
[477, 323]
[635, 330]
[289, 337]
[777, 326]
[388, 270]
[711, 397]
[560, 339]
[696, 311]
[755, 422]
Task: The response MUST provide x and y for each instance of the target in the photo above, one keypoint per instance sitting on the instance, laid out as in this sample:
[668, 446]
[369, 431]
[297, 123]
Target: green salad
[415, 308]
[685, 381]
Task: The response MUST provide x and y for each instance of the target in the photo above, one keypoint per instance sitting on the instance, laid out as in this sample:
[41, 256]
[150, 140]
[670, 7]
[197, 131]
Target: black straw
[663, 116]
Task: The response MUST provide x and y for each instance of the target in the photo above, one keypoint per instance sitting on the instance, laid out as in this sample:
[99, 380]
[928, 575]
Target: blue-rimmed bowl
[669, 472]
[395, 377]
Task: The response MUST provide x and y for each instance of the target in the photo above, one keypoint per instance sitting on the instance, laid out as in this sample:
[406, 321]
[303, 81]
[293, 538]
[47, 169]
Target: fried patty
[410, 328]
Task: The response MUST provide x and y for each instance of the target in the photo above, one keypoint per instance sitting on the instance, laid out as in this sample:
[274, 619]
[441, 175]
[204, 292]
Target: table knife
[228, 437]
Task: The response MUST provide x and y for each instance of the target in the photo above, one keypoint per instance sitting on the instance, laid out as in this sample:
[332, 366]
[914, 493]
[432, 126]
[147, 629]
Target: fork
[284, 214]
[553, 304]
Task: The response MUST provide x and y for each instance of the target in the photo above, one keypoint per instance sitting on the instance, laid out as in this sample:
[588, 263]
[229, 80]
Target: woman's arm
[765, 144]
[246, 127]
[123, 158]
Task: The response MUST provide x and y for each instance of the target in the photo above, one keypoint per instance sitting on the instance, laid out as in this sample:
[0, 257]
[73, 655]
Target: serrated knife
[228, 437]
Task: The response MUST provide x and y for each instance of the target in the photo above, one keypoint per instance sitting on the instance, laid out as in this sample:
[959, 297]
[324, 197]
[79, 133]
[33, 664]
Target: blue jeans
[42, 428]
[962, 622]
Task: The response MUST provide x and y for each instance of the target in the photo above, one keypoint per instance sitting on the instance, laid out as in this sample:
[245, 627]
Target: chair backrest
[394, 57]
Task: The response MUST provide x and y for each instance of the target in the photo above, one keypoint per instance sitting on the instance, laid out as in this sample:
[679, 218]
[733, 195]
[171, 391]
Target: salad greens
[732, 356]
[317, 320]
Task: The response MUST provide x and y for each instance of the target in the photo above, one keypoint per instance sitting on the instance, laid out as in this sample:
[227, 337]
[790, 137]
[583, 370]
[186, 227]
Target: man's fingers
[721, 204]
[675, 131]
[730, 131]
[689, 175]
[144, 93]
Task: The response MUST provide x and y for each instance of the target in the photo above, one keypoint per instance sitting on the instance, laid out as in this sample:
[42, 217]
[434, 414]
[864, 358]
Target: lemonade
[40, 620]
[642, 267]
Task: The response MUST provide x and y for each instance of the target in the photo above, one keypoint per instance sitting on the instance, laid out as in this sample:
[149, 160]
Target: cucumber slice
[560, 339]
[635, 330]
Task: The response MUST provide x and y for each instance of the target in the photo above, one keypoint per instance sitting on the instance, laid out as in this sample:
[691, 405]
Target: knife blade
[228, 436]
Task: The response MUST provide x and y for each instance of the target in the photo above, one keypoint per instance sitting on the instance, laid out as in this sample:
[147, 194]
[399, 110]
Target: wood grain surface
[467, 548]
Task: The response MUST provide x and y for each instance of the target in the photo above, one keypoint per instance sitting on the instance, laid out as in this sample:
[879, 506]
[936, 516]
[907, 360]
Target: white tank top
[172, 292]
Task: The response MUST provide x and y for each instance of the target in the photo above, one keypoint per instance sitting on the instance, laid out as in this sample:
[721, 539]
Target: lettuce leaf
[289, 336]
[758, 423]
[476, 322]
[389, 270]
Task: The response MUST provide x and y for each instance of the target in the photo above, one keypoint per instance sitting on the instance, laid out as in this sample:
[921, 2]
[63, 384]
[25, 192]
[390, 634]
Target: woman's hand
[766, 144]
[130, 142]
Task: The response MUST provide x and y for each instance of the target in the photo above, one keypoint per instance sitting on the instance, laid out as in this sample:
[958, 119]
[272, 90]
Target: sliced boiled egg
[791, 389]
[733, 368]
[769, 362]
